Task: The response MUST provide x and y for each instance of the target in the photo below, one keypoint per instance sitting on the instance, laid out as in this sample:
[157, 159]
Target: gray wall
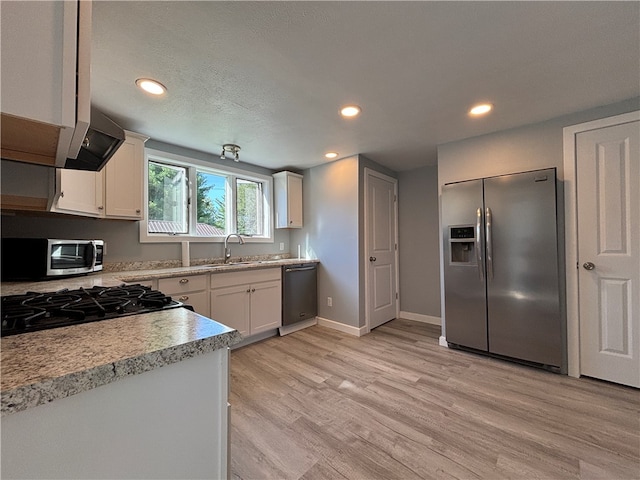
[330, 233]
[333, 232]
[525, 148]
[419, 241]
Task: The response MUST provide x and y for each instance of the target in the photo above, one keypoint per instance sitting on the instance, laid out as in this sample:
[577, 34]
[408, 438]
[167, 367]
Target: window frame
[192, 165]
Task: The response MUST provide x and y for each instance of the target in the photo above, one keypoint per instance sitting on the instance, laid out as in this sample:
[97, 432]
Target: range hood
[34, 142]
[102, 140]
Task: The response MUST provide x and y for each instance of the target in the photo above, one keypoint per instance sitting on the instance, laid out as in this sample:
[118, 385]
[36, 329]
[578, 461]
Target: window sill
[151, 238]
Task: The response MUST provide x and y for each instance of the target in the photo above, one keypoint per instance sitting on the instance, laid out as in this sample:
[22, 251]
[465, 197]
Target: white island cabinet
[144, 396]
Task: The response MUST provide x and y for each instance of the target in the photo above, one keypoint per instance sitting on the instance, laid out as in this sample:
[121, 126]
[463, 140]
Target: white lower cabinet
[190, 290]
[248, 301]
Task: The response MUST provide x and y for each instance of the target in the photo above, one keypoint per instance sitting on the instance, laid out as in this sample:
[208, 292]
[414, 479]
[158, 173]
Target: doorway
[381, 248]
[601, 163]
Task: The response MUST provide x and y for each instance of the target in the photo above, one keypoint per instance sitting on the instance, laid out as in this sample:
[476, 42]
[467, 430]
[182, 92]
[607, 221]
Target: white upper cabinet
[114, 192]
[45, 77]
[123, 179]
[80, 192]
[288, 199]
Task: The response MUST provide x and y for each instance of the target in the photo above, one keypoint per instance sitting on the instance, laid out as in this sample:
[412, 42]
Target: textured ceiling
[271, 76]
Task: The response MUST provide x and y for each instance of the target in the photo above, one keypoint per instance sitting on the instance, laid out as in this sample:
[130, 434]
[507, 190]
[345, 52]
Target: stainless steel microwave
[42, 258]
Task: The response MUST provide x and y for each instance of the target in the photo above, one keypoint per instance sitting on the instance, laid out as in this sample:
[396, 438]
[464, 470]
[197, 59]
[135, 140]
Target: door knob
[588, 266]
[372, 259]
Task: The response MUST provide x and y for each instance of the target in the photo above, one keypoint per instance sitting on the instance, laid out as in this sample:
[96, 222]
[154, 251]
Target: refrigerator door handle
[489, 241]
[479, 243]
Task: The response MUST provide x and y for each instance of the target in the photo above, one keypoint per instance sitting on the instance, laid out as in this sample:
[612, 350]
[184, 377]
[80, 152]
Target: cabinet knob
[290, 221]
[253, 290]
[184, 298]
[184, 280]
[100, 207]
[248, 290]
[62, 194]
[137, 210]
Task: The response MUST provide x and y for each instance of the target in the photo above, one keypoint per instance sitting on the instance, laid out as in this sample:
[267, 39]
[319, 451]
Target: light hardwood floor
[320, 404]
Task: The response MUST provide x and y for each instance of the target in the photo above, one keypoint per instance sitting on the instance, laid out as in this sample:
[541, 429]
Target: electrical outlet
[329, 302]
[281, 246]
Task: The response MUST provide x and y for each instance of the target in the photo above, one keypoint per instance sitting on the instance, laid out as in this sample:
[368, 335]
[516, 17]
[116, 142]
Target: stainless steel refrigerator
[501, 269]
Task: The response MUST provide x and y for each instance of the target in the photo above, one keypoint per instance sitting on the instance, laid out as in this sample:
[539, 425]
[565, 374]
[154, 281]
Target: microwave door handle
[91, 254]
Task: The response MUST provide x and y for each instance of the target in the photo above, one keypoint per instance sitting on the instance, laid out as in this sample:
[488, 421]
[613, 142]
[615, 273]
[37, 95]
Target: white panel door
[608, 197]
[381, 241]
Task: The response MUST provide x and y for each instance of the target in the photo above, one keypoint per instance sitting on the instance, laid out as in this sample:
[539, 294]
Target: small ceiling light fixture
[152, 86]
[331, 154]
[350, 111]
[231, 148]
[481, 109]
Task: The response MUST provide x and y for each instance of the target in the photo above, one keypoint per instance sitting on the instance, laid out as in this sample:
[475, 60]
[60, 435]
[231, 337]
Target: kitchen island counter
[39, 367]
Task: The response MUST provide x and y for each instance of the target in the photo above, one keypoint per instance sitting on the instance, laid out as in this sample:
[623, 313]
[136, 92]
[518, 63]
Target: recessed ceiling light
[152, 86]
[481, 109]
[331, 154]
[350, 110]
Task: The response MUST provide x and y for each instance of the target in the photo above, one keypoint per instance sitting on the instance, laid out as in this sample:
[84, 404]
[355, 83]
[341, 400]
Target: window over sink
[189, 199]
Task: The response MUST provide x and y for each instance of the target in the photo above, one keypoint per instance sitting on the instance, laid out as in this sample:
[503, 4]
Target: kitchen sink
[234, 264]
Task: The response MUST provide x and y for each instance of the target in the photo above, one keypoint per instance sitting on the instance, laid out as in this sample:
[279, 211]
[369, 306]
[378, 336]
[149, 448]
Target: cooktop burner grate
[35, 311]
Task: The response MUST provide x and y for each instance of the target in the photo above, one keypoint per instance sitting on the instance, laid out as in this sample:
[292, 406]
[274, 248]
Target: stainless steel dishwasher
[299, 293]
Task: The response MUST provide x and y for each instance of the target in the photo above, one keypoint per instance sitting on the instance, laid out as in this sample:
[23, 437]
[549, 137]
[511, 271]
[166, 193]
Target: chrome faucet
[227, 249]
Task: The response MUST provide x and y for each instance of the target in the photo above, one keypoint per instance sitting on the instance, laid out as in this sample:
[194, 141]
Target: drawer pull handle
[184, 298]
[184, 280]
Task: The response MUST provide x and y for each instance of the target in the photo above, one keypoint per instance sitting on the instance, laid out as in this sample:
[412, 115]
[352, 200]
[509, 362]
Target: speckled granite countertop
[141, 275]
[39, 367]
[110, 279]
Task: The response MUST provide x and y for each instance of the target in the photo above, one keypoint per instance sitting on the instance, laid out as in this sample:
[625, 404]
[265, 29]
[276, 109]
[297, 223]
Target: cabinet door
[81, 192]
[266, 306]
[294, 201]
[288, 199]
[230, 306]
[123, 180]
[45, 80]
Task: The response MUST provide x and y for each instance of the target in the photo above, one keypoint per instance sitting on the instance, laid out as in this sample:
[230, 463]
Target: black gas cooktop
[35, 311]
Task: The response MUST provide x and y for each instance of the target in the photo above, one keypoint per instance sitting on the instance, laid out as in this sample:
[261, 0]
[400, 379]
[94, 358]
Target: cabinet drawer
[177, 285]
[246, 277]
[198, 300]
[146, 283]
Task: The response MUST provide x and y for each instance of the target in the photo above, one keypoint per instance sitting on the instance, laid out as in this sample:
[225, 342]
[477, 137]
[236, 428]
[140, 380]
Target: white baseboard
[356, 331]
[418, 317]
[443, 342]
[287, 329]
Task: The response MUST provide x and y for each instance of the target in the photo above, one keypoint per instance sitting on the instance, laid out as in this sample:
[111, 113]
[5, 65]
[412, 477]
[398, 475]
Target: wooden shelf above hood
[29, 141]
